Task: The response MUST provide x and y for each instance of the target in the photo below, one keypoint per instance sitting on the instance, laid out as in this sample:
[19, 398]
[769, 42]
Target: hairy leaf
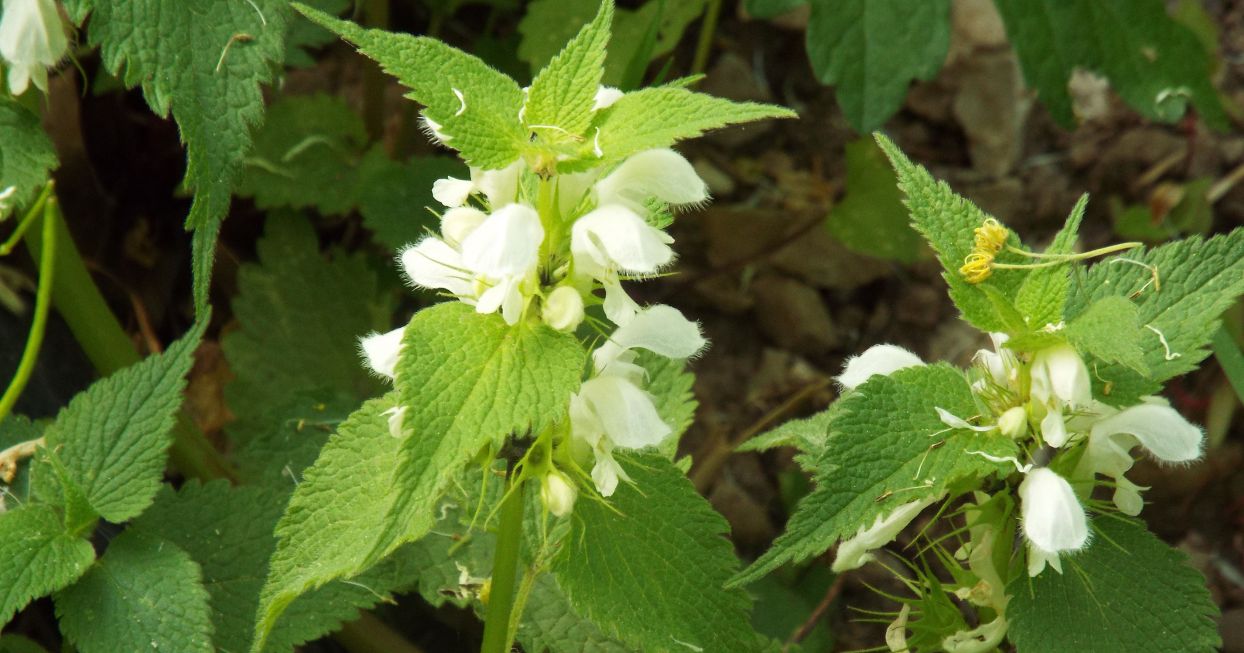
[26, 157]
[37, 557]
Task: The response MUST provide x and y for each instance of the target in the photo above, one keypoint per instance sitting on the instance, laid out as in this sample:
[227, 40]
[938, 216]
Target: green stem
[707, 31]
[504, 571]
[109, 349]
[35, 211]
[43, 297]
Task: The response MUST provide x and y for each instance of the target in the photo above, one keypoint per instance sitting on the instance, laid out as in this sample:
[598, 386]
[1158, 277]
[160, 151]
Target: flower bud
[1014, 422]
[563, 309]
[557, 493]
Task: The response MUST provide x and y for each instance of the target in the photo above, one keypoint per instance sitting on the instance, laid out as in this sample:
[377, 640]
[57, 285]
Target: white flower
[1001, 362]
[878, 359]
[611, 411]
[854, 552]
[1060, 382]
[1154, 425]
[432, 263]
[661, 173]
[1053, 519]
[614, 239]
[32, 40]
[458, 223]
[451, 191]
[659, 328]
[563, 309]
[499, 187]
[503, 252]
[557, 493]
[381, 350]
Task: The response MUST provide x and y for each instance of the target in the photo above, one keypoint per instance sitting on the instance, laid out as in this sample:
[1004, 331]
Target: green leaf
[483, 124]
[562, 94]
[1128, 592]
[305, 155]
[808, 434]
[206, 61]
[670, 385]
[648, 566]
[882, 452]
[771, 8]
[27, 157]
[37, 557]
[1199, 278]
[16, 429]
[393, 196]
[114, 437]
[228, 532]
[659, 117]
[870, 50]
[292, 383]
[948, 222]
[144, 594]
[1155, 64]
[1110, 331]
[468, 382]
[19, 644]
[871, 218]
[551, 625]
[1043, 293]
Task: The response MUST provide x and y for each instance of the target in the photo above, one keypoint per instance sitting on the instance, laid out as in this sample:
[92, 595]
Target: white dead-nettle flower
[1060, 384]
[557, 493]
[660, 173]
[853, 553]
[499, 187]
[1052, 517]
[563, 309]
[878, 359]
[1001, 363]
[32, 40]
[493, 268]
[611, 410]
[1154, 425]
[380, 351]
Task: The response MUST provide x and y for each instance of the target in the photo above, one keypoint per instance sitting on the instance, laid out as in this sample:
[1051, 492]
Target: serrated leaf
[114, 437]
[1155, 64]
[659, 117]
[882, 452]
[670, 385]
[144, 594]
[469, 381]
[474, 104]
[1110, 331]
[947, 222]
[562, 94]
[647, 567]
[1199, 278]
[16, 429]
[1128, 592]
[551, 625]
[305, 155]
[206, 61]
[871, 50]
[393, 196]
[871, 218]
[808, 434]
[228, 532]
[26, 156]
[1043, 293]
[37, 557]
[291, 383]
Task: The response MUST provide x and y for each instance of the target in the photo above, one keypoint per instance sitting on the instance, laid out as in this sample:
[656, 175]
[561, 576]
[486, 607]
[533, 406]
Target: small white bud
[563, 309]
[557, 493]
[1014, 422]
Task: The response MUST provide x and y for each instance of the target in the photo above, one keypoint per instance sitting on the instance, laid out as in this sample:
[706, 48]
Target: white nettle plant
[32, 40]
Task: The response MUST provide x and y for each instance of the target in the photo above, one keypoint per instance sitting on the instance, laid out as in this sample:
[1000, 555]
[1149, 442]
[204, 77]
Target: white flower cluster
[531, 248]
[1059, 412]
[32, 40]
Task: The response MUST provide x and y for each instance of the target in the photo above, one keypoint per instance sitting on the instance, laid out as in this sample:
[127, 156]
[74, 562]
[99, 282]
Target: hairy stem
[504, 571]
[43, 297]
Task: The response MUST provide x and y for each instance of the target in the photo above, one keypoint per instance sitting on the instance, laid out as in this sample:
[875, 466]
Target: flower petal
[619, 307]
[451, 191]
[1059, 373]
[1053, 518]
[626, 413]
[500, 187]
[878, 359]
[853, 552]
[660, 329]
[381, 350]
[458, 223]
[662, 173]
[615, 237]
[605, 97]
[955, 422]
[506, 244]
[1161, 429]
[605, 474]
[432, 263]
[1054, 428]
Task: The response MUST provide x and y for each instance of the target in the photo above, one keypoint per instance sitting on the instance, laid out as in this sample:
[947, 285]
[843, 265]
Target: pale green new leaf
[114, 437]
[305, 155]
[26, 155]
[1043, 293]
[474, 104]
[1110, 331]
[883, 451]
[1198, 280]
[659, 117]
[1127, 593]
[206, 61]
[144, 594]
[469, 381]
[870, 50]
[1155, 64]
[292, 384]
[648, 567]
[563, 93]
[871, 218]
[37, 557]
